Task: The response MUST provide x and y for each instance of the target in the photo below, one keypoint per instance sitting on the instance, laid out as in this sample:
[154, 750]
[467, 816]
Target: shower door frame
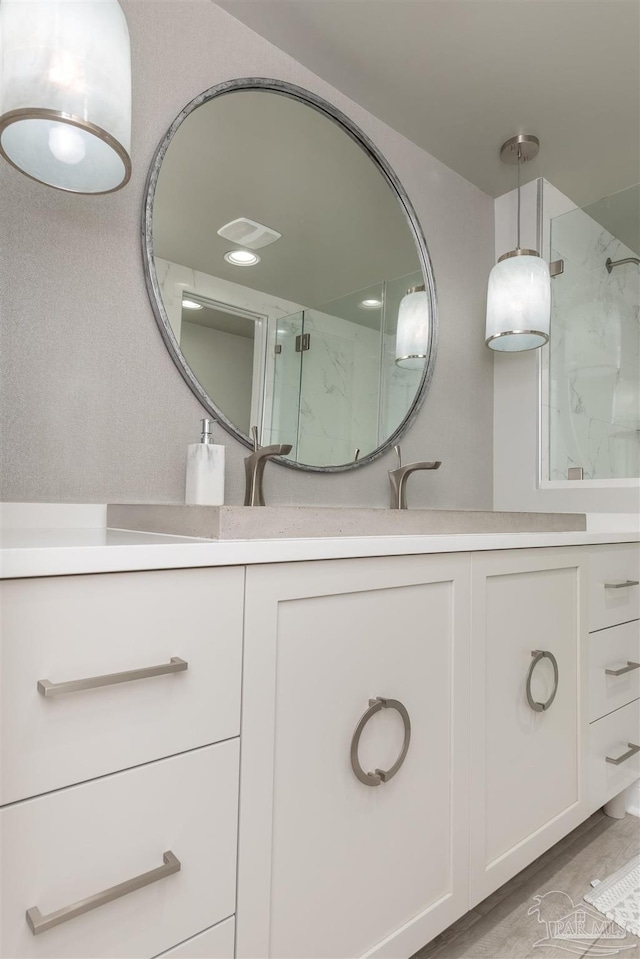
[550, 206]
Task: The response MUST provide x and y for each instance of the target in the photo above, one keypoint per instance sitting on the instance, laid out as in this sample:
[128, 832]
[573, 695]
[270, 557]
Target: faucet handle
[254, 436]
[398, 454]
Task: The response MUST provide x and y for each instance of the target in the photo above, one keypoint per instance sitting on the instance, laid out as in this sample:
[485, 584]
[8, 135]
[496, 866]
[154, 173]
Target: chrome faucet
[398, 479]
[254, 465]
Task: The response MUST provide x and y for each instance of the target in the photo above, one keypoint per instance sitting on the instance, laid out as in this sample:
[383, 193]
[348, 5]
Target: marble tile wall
[594, 359]
[338, 390]
[400, 387]
[333, 388]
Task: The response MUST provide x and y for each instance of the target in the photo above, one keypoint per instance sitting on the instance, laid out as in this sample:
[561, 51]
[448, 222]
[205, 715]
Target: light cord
[519, 158]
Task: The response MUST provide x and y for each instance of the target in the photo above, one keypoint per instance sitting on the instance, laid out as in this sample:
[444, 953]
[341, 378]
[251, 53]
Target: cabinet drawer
[68, 628]
[613, 651]
[613, 736]
[614, 593]
[61, 848]
[216, 943]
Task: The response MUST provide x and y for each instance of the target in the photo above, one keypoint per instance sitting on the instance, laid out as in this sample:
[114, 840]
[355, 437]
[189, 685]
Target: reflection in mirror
[279, 252]
[219, 344]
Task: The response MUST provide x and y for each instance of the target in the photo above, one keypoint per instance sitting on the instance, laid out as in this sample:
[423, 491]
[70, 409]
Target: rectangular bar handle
[622, 584]
[46, 688]
[631, 751]
[39, 923]
[623, 669]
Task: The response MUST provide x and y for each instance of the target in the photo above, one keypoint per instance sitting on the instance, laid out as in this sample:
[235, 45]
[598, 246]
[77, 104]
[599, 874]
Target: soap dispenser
[205, 470]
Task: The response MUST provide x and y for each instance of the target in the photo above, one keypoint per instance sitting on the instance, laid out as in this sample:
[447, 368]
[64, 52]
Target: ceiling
[458, 77]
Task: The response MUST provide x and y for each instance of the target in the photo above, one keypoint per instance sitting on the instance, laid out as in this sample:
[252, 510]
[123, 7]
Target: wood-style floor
[501, 927]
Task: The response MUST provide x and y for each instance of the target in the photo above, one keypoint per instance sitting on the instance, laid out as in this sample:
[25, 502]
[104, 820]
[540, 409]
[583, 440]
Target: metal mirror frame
[153, 287]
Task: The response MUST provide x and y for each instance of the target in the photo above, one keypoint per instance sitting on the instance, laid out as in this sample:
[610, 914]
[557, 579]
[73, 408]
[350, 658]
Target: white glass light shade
[412, 337]
[65, 93]
[518, 304]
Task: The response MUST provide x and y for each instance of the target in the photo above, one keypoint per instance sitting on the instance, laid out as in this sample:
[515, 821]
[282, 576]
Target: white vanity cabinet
[528, 633]
[329, 865]
[415, 729]
[120, 717]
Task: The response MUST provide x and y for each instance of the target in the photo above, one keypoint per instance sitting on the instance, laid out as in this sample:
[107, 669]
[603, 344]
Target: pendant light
[519, 294]
[65, 92]
[412, 336]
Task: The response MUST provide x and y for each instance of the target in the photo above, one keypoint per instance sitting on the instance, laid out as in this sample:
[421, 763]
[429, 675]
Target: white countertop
[64, 551]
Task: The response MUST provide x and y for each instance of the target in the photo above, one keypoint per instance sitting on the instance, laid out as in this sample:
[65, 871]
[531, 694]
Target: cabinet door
[330, 866]
[526, 760]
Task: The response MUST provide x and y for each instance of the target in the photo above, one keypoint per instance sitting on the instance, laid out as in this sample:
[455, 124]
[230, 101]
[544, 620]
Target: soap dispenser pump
[205, 470]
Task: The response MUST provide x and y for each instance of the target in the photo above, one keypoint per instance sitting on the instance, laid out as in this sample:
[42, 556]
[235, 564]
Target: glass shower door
[281, 416]
[594, 351]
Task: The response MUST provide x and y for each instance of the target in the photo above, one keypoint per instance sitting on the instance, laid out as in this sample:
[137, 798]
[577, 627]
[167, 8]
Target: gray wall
[93, 409]
[223, 364]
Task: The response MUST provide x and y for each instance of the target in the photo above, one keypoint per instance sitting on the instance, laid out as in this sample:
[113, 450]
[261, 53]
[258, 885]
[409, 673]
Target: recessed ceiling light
[241, 258]
[370, 304]
[191, 305]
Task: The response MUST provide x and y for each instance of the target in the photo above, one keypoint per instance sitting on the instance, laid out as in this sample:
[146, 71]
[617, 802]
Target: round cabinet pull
[538, 655]
[380, 775]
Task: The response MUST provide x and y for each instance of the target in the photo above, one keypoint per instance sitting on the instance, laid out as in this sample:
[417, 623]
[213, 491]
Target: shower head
[609, 263]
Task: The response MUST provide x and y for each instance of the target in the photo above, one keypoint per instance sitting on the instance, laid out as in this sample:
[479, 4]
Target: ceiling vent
[248, 233]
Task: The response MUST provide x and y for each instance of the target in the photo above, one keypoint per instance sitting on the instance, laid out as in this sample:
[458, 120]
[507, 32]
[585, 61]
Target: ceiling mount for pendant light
[519, 294]
[66, 93]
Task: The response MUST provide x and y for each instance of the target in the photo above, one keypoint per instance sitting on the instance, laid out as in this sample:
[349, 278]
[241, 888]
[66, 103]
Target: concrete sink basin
[294, 522]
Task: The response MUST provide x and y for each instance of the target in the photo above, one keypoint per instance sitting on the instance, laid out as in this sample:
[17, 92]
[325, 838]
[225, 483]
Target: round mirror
[288, 274]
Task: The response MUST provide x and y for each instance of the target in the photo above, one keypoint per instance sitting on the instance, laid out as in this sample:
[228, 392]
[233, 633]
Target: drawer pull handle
[538, 655]
[46, 688]
[380, 775]
[623, 669]
[39, 923]
[622, 584]
[631, 751]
